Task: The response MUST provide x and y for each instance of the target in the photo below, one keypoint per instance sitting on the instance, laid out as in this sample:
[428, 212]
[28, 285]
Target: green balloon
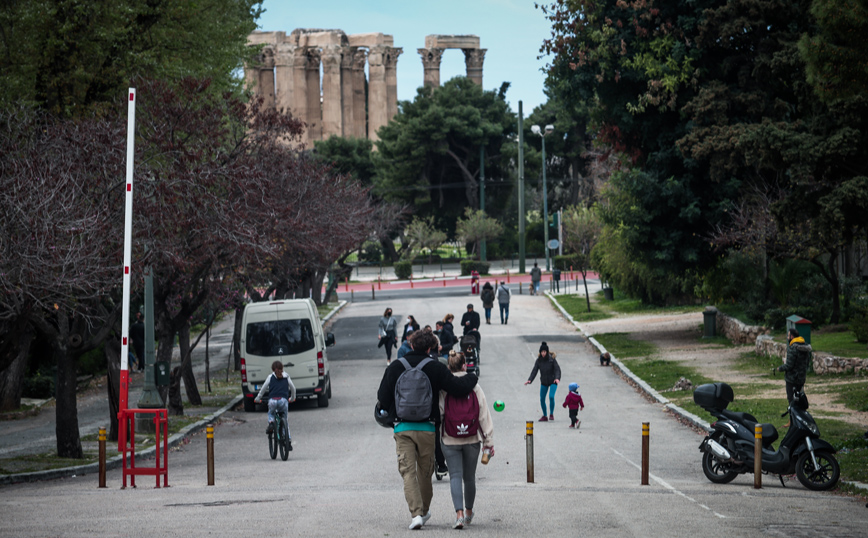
[499, 405]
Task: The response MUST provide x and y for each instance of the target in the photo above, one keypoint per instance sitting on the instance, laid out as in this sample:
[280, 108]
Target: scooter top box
[715, 395]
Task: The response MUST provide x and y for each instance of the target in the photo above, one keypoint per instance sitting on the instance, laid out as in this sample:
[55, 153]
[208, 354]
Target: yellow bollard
[529, 448]
[210, 434]
[758, 457]
[102, 457]
[645, 449]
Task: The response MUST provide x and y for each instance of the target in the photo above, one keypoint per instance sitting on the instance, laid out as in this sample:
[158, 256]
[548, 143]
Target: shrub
[859, 326]
[403, 269]
[468, 266]
[40, 386]
[566, 261]
[371, 252]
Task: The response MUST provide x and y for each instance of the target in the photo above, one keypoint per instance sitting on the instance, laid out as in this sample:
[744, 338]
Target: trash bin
[609, 294]
[802, 325]
[161, 374]
[709, 320]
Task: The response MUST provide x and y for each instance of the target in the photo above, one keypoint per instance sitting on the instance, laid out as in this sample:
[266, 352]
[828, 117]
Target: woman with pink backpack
[466, 427]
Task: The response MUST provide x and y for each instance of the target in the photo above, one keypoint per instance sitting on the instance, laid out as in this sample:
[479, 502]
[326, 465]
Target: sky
[511, 30]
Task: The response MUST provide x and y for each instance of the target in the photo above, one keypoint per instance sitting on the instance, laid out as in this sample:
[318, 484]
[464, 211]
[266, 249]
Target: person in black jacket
[549, 377]
[470, 320]
[447, 335]
[414, 441]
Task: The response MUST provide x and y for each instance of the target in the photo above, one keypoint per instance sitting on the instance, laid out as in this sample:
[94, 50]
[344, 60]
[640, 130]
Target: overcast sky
[511, 30]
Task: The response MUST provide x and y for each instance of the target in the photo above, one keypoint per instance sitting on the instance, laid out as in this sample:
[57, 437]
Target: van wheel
[322, 400]
[329, 391]
[249, 405]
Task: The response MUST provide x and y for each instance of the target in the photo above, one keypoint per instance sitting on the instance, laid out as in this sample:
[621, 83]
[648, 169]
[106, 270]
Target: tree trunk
[190, 385]
[585, 281]
[316, 286]
[165, 344]
[111, 350]
[389, 252]
[12, 378]
[66, 428]
[176, 406]
[208, 359]
[236, 339]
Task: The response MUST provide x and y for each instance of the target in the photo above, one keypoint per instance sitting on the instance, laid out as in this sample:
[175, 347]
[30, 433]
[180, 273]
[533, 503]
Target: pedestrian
[796, 365]
[281, 392]
[503, 301]
[605, 359]
[137, 335]
[387, 335]
[487, 297]
[535, 278]
[409, 327]
[467, 428]
[413, 400]
[470, 320]
[556, 276]
[404, 349]
[549, 377]
[447, 335]
[574, 402]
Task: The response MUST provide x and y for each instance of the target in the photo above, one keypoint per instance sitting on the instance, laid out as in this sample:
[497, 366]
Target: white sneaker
[416, 523]
[426, 517]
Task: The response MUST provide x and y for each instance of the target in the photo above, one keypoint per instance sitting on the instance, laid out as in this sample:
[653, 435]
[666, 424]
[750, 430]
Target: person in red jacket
[574, 402]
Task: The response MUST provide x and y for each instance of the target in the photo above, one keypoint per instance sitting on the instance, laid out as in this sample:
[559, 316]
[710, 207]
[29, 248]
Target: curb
[116, 461]
[647, 389]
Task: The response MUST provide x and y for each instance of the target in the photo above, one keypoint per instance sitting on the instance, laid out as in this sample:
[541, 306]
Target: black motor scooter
[728, 450]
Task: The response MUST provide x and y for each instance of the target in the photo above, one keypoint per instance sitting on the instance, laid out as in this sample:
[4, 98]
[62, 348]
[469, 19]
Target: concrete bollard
[645, 442]
[529, 448]
[210, 435]
[102, 457]
[758, 457]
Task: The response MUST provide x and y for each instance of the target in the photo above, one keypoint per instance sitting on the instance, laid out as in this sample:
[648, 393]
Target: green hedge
[403, 269]
[468, 266]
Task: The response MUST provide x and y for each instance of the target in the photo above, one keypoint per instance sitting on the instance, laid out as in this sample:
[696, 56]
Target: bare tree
[582, 229]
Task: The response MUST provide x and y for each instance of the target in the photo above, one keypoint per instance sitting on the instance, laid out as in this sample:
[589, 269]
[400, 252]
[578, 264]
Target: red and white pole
[128, 232]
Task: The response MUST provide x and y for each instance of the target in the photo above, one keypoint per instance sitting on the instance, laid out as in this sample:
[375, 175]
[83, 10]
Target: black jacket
[439, 375]
[473, 318]
[548, 369]
[796, 367]
[447, 338]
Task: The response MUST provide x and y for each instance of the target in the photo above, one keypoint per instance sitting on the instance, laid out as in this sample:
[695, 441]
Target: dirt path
[678, 339]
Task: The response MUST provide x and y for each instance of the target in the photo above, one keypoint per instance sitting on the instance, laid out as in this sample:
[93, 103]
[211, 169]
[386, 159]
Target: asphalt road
[342, 477]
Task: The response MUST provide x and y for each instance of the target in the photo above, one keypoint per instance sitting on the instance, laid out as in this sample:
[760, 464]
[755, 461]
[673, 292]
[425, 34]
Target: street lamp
[537, 131]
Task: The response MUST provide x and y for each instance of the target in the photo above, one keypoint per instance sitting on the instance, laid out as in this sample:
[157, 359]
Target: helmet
[383, 417]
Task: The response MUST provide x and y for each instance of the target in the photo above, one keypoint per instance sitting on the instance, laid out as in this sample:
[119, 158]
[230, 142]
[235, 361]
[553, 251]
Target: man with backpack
[409, 392]
[503, 300]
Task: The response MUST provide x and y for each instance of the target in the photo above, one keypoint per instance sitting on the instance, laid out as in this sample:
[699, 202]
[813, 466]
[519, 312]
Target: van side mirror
[330, 339]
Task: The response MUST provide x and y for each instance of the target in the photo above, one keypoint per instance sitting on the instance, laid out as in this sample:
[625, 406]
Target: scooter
[728, 449]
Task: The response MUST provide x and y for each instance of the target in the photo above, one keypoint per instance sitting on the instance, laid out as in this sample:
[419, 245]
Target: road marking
[668, 486]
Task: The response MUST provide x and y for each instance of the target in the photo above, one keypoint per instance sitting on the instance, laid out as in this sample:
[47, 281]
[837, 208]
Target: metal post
[519, 288]
[482, 253]
[373, 297]
[529, 448]
[102, 457]
[545, 204]
[758, 457]
[210, 435]
[521, 216]
[645, 441]
[352, 296]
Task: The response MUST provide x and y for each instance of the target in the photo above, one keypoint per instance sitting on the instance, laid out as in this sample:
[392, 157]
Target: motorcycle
[728, 449]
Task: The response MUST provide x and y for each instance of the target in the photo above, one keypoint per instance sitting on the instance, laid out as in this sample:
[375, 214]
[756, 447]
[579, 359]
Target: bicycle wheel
[272, 443]
[284, 441]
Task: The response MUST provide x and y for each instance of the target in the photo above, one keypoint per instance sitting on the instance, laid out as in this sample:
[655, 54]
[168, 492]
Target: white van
[289, 331]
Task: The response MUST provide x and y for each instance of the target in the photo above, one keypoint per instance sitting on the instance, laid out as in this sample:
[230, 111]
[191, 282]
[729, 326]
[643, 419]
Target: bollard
[373, 297]
[645, 439]
[102, 457]
[352, 296]
[347, 288]
[758, 457]
[379, 284]
[529, 440]
[210, 435]
[444, 280]
[507, 276]
[519, 288]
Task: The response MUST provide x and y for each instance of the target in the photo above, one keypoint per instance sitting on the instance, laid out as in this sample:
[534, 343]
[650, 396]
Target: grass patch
[720, 341]
[627, 305]
[737, 311]
[751, 363]
[621, 345]
[577, 306]
[840, 344]
[854, 396]
[662, 375]
[42, 462]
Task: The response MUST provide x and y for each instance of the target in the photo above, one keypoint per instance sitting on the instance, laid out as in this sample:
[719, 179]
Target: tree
[582, 228]
[476, 227]
[422, 235]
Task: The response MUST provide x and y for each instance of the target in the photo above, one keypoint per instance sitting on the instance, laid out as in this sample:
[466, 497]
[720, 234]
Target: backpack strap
[421, 364]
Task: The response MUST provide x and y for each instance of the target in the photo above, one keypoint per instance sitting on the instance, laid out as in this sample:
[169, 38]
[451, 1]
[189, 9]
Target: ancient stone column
[347, 117]
[283, 81]
[266, 77]
[431, 64]
[473, 59]
[360, 123]
[377, 108]
[298, 104]
[332, 109]
[314, 105]
[391, 62]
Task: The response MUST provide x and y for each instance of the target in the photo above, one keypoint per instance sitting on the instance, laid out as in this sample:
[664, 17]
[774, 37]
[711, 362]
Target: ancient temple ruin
[342, 100]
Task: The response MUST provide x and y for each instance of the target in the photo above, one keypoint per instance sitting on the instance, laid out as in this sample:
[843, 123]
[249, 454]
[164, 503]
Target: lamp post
[542, 134]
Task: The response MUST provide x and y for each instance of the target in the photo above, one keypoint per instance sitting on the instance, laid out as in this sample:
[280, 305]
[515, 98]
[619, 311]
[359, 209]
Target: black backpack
[413, 394]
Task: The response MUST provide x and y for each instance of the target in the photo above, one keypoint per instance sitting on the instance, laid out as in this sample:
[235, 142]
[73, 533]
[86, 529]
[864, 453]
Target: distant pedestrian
[487, 297]
[549, 377]
[574, 402]
[470, 320]
[409, 327]
[556, 277]
[605, 359]
[137, 335]
[796, 366]
[503, 300]
[387, 333]
[535, 278]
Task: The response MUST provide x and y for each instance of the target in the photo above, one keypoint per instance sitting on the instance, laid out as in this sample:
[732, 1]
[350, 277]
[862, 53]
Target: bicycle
[278, 438]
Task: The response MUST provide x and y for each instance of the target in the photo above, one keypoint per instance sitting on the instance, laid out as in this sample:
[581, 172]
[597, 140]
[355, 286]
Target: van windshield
[279, 337]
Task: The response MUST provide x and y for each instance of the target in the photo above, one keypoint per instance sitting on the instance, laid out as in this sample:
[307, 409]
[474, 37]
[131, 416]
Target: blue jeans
[504, 308]
[536, 286]
[550, 389]
[487, 314]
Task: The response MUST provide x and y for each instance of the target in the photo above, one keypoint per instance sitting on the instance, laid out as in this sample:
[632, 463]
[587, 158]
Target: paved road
[342, 479]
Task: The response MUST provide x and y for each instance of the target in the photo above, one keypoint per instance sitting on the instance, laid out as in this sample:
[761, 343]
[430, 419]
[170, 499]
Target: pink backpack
[461, 416]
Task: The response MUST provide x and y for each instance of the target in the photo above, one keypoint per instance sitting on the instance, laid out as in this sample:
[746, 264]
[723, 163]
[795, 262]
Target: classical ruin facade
[343, 101]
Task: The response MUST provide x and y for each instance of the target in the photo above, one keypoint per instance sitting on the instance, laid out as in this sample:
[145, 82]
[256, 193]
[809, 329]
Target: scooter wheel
[717, 472]
[822, 478]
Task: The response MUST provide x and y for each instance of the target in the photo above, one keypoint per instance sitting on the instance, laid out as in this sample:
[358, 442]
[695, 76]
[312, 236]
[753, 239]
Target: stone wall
[823, 363]
[737, 331]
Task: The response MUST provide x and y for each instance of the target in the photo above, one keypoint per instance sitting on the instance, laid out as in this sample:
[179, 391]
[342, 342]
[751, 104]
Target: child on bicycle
[281, 392]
